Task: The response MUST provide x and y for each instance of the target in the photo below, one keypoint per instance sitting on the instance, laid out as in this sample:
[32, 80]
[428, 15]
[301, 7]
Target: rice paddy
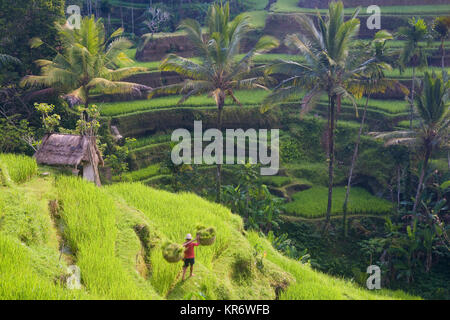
[248, 98]
[18, 168]
[105, 230]
[290, 6]
[312, 203]
[142, 174]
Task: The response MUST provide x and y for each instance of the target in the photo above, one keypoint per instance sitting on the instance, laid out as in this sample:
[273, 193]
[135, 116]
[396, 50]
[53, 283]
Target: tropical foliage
[218, 74]
[330, 64]
[433, 129]
[88, 61]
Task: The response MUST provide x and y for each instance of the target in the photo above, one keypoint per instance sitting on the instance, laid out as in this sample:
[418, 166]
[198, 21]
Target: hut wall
[88, 172]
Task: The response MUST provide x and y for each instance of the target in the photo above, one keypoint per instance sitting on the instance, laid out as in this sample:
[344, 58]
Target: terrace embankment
[158, 47]
[139, 124]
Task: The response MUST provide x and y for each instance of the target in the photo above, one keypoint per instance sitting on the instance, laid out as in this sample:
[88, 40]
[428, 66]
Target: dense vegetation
[364, 149]
[114, 235]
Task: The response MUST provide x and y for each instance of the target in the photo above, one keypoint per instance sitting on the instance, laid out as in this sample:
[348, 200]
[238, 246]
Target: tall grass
[141, 174]
[312, 203]
[276, 181]
[175, 216]
[19, 167]
[147, 140]
[247, 97]
[18, 277]
[99, 226]
[289, 6]
[407, 73]
[314, 285]
[29, 259]
[89, 215]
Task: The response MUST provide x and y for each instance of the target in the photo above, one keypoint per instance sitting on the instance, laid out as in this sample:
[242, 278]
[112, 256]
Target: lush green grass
[176, 215]
[257, 18]
[267, 58]
[144, 141]
[312, 203]
[115, 234]
[440, 164]
[407, 73]
[141, 174]
[19, 168]
[131, 53]
[389, 106]
[400, 43]
[246, 97]
[256, 4]
[313, 285]
[19, 279]
[30, 267]
[276, 181]
[314, 172]
[291, 6]
[90, 215]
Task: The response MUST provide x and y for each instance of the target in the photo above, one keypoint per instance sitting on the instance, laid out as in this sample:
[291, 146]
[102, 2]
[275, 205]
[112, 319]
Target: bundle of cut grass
[206, 236]
[172, 252]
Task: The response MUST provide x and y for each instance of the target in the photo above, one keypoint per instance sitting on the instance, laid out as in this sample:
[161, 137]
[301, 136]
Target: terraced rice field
[312, 203]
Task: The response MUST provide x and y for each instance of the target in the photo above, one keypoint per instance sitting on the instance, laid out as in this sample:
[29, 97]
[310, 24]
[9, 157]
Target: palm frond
[310, 100]
[193, 30]
[185, 67]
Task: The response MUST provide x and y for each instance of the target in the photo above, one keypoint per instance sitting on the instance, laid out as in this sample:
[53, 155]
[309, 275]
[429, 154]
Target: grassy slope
[312, 203]
[100, 226]
[291, 6]
[248, 98]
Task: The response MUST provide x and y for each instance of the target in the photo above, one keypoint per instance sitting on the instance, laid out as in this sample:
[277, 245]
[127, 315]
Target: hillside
[113, 234]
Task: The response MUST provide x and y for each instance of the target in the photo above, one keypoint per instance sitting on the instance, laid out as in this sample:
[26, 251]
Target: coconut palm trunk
[411, 104]
[220, 104]
[221, 70]
[422, 176]
[352, 166]
[331, 125]
[399, 175]
[443, 69]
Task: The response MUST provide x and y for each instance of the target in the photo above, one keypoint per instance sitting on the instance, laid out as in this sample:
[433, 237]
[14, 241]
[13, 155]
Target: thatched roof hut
[71, 150]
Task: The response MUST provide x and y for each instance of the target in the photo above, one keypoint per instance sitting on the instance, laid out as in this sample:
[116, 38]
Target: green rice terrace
[114, 235]
[93, 205]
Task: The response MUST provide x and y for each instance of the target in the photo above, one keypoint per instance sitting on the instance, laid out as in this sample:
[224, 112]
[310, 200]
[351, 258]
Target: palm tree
[433, 110]
[220, 71]
[441, 26]
[413, 52]
[372, 81]
[86, 62]
[329, 66]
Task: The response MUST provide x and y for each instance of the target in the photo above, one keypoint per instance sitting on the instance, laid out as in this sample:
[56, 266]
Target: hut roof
[66, 149]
